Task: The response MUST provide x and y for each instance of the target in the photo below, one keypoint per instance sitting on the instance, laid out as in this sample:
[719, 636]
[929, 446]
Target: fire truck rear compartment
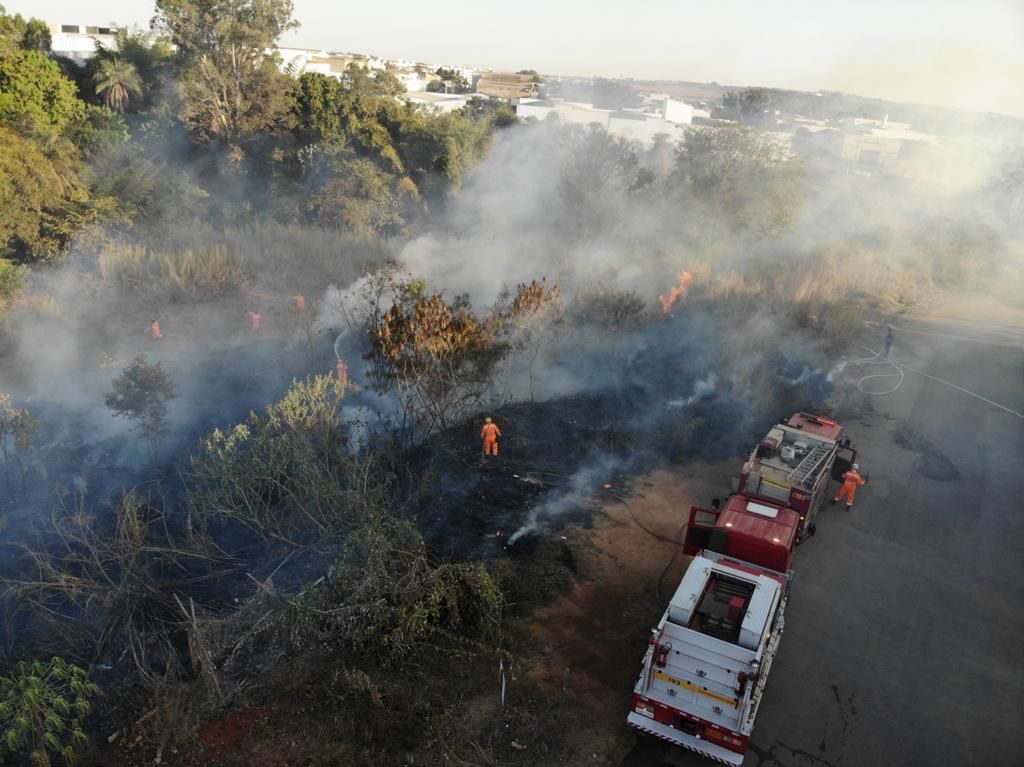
[722, 608]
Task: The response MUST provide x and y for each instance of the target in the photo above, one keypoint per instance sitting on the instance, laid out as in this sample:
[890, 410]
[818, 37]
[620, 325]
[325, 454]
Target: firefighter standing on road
[154, 330]
[888, 341]
[342, 370]
[300, 303]
[489, 434]
[256, 320]
[851, 481]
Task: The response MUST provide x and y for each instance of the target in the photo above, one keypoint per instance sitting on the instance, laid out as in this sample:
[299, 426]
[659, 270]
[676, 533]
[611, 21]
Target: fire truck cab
[792, 465]
[707, 662]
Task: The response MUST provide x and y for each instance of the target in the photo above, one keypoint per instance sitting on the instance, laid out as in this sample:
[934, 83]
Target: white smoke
[575, 492]
[702, 389]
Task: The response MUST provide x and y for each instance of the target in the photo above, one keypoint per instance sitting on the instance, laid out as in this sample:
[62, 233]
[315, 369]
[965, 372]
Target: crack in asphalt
[773, 758]
[768, 757]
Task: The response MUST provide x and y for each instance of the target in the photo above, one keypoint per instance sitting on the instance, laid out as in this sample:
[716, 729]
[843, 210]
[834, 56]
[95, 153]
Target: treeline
[200, 123]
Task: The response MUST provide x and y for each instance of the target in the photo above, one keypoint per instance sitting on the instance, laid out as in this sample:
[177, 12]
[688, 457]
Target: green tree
[141, 394]
[450, 82]
[742, 178]
[12, 278]
[36, 99]
[117, 81]
[42, 706]
[231, 86]
[363, 199]
[597, 169]
[319, 100]
[26, 35]
[150, 55]
[41, 197]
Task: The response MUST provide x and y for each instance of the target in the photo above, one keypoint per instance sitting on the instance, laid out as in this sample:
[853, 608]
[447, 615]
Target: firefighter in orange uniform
[154, 330]
[300, 303]
[851, 481]
[256, 319]
[489, 434]
[342, 371]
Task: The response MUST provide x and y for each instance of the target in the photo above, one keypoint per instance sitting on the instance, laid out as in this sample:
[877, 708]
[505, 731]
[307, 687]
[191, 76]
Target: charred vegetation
[309, 528]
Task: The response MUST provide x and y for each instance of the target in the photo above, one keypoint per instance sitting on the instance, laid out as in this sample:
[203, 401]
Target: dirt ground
[592, 639]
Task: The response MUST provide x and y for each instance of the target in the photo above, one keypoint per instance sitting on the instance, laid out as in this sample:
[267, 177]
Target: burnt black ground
[903, 635]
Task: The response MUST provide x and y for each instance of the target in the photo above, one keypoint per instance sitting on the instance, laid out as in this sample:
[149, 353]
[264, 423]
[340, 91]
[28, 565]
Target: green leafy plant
[42, 705]
[141, 394]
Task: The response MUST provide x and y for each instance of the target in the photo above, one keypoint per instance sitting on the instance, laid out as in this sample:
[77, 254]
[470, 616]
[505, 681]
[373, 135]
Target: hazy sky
[960, 53]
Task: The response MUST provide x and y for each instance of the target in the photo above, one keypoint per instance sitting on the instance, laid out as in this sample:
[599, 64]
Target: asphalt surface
[905, 631]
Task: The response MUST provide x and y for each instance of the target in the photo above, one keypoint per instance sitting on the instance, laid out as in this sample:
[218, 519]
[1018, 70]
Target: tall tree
[26, 35]
[36, 99]
[151, 57]
[230, 81]
[117, 81]
[141, 394]
[39, 197]
[744, 178]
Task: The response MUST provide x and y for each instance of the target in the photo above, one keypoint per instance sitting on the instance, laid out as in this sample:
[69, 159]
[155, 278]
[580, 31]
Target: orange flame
[678, 292]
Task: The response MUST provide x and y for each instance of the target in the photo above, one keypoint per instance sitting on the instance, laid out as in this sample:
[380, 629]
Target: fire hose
[877, 359]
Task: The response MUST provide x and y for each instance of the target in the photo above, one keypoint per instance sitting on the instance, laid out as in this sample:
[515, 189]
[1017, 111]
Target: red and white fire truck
[792, 465]
[708, 660]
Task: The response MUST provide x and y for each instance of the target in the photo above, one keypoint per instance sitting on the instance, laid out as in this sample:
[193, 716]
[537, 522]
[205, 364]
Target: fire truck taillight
[732, 742]
[647, 709]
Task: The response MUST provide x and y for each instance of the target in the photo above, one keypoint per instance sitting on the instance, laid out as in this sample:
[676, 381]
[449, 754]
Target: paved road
[905, 632]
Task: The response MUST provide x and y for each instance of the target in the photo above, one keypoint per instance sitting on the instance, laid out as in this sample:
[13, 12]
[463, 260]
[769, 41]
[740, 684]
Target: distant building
[874, 146]
[632, 124]
[643, 128]
[466, 73]
[78, 42]
[677, 112]
[439, 102]
[413, 81]
[507, 86]
[300, 60]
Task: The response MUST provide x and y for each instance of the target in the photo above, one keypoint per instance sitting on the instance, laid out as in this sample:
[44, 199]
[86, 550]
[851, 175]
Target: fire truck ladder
[809, 465]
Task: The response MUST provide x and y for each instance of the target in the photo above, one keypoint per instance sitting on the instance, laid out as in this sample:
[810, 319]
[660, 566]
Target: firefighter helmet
[856, 466]
[487, 419]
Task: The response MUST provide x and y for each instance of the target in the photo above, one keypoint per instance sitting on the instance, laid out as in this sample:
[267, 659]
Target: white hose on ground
[878, 359]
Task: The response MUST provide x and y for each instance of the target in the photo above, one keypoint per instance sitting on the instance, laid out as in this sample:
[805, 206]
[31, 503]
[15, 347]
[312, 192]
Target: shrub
[41, 710]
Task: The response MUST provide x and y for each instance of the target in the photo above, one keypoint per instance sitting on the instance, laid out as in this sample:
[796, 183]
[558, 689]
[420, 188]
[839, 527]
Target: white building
[439, 102]
[300, 60]
[78, 42]
[677, 112]
[413, 82]
[643, 128]
[630, 124]
[572, 112]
